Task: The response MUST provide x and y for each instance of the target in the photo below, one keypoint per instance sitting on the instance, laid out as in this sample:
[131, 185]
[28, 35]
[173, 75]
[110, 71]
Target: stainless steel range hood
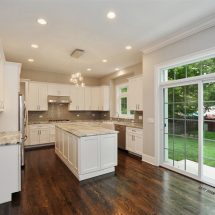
[59, 99]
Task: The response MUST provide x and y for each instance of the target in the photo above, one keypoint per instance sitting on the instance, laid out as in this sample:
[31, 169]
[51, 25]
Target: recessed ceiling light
[117, 69]
[111, 15]
[30, 60]
[104, 60]
[128, 47]
[42, 21]
[35, 46]
[89, 69]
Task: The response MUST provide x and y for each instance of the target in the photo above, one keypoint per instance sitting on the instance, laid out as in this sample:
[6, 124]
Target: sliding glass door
[181, 127]
[209, 131]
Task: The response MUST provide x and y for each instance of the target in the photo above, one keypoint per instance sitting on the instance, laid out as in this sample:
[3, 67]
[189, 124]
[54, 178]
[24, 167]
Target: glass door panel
[209, 131]
[181, 127]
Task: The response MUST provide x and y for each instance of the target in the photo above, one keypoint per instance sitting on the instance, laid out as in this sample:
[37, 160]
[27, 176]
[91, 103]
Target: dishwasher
[121, 136]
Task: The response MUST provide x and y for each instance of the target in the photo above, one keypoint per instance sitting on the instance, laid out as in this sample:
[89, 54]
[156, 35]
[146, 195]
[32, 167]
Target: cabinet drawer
[134, 130]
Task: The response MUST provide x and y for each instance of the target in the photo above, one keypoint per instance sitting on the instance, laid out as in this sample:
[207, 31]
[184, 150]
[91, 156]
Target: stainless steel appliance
[22, 124]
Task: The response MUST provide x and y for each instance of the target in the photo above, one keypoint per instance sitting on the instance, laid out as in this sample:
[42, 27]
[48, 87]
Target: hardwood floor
[137, 188]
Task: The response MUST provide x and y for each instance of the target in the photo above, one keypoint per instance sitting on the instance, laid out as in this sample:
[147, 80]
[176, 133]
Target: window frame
[120, 95]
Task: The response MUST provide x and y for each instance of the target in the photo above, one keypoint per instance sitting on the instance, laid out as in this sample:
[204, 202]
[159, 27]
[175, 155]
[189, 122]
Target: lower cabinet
[134, 140]
[39, 134]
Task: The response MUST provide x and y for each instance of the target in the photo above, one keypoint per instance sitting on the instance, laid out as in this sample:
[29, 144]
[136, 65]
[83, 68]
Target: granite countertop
[83, 130]
[128, 124]
[10, 138]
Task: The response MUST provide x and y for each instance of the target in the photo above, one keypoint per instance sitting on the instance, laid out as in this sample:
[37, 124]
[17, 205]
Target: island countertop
[84, 130]
[10, 138]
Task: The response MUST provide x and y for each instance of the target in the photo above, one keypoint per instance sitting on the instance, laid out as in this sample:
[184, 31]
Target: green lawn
[191, 146]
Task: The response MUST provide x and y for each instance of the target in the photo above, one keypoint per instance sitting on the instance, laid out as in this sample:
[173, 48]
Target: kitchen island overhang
[87, 150]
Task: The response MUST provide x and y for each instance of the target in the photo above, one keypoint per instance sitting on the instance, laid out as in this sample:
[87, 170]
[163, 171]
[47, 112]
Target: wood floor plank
[137, 188]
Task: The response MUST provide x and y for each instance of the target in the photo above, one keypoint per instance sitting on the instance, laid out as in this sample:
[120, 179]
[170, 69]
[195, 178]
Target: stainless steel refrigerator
[22, 124]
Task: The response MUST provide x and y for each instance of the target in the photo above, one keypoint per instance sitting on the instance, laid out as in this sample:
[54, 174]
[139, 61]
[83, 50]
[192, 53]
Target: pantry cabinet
[134, 140]
[37, 97]
[135, 93]
[77, 99]
[2, 62]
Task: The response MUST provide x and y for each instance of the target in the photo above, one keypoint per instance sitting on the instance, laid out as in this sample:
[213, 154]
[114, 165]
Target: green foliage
[192, 70]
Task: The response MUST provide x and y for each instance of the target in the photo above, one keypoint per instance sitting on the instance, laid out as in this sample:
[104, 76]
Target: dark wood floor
[137, 188]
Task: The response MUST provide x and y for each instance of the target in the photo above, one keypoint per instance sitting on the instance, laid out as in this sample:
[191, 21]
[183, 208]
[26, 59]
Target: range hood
[59, 99]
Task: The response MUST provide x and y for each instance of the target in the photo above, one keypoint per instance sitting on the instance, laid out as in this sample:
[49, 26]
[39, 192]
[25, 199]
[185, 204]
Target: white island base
[87, 156]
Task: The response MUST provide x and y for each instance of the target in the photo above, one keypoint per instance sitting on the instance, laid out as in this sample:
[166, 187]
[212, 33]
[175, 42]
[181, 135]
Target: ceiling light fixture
[77, 79]
[104, 60]
[89, 69]
[128, 47]
[42, 21]
[35, 46]
[117, 69]
[111, 15]
[30, 60]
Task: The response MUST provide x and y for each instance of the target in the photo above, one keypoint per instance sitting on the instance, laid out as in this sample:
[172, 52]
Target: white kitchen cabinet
[87, 98]
[10, 168]
[73, 149]
[104, 98]
[37, 97]
[52, 133]
[2, 62]
[39, 134]
[135, 93]
[90, 154]
[58, 90]
[134, 140]
[77, 99]
[95, 100]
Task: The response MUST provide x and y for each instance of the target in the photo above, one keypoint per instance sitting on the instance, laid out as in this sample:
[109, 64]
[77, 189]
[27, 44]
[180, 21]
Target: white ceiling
[83, 24]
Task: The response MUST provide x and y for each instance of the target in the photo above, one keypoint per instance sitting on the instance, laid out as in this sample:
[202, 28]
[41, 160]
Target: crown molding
[182, 34]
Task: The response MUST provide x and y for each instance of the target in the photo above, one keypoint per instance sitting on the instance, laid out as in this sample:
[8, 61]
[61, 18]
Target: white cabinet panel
[57, 137]
[108, 151]
[95, 102]
[33, 136]
[105, 98]
[134, 140]
[2, 62]
[135, 94]
[65, 145]
[77, 98]
[90, 154]
[87, 98]
[37, 97]
[42, 97]
[44, 135]
[33, 99]
[58, 90]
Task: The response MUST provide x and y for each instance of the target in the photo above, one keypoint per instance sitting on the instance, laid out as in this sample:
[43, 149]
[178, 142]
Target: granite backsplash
[60, 112]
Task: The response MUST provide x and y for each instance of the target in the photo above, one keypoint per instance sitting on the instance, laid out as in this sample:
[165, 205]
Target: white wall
[198, 42]
[9, 117]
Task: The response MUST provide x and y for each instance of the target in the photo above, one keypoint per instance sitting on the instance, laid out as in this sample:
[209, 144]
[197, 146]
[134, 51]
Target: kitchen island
[87, 150]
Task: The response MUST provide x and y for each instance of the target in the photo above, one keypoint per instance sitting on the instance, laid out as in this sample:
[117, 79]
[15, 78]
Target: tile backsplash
[60, 112]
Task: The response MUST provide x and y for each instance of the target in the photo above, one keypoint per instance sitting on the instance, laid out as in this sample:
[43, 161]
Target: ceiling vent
[77, 53]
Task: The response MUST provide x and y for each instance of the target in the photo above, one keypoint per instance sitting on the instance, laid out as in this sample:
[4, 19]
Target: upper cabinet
[135, 93]
[105, 98]
[87, 98]
[2, 62]
[58, 90]
[95, 98]
[37, 97]
[77, 98]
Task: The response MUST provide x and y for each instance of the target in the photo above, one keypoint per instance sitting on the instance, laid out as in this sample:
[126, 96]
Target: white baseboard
[149, 159]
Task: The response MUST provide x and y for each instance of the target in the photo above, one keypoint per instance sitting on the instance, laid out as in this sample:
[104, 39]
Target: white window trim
[125, 116]
[196, 56]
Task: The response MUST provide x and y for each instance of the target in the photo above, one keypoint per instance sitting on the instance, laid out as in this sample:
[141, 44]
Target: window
[122, 102]
[202, 67]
